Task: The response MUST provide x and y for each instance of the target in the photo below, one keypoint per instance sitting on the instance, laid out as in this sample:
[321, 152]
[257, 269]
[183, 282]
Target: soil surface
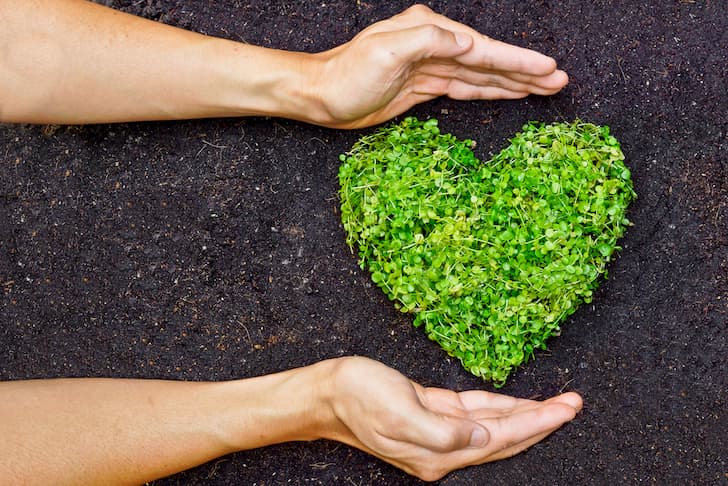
[212, 250]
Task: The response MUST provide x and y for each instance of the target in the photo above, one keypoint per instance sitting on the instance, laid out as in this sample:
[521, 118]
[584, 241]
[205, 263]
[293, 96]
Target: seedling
[489, 257]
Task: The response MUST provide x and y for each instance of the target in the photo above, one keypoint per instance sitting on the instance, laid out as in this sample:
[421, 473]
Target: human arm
[102, 431]
[73, 61]
[126, 431]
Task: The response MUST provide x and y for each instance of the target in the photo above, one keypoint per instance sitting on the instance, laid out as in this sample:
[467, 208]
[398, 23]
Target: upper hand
[429, 432]
[419, 55]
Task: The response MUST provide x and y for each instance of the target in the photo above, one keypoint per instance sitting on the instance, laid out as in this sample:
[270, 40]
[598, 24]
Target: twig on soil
[213, 145]
[221, 147]
[250, 341]
[215, 467]
[619, 65]
[318, 140]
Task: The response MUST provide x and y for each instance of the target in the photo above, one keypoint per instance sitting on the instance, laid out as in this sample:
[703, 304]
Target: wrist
[257, 81]
[339, 379]
[282, 407]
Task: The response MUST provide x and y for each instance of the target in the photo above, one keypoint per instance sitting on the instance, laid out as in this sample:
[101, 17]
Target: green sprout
[489, 257]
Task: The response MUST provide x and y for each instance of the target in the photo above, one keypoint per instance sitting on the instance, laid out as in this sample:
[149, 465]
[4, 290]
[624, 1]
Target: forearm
[103, 431]
[72, 61]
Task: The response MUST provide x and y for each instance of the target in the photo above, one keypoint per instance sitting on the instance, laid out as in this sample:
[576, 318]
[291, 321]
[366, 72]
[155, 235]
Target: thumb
[444, 433]
[426, 41]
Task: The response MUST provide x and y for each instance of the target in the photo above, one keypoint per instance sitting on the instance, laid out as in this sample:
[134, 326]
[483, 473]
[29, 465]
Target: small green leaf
[491, 257]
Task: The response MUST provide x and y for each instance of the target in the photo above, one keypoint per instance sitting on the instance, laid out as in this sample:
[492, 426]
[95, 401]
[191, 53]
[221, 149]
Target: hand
[115, 67]
[429, 432]
[419, 55]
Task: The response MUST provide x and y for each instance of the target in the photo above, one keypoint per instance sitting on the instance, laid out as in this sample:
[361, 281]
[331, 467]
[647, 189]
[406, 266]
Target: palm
[427, 431]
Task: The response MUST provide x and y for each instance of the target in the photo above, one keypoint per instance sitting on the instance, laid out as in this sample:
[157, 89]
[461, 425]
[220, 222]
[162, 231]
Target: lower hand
[429, 432]
[417, 56]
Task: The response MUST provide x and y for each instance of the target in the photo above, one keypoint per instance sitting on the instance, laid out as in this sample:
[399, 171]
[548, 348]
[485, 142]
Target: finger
[436, 432]
[465, 90]
[492, 54]
[485, 53]
[458, 90]
[482, 408]
[515, 433]
[521, 426]
[549, 83]
[420, 15]
[474, 404]
[417, 43]
[572, 399]
[555, 80]
[479, 404]
[518, 448]
[477, 399]
[444, 402]
[470, 457]
[415, 16]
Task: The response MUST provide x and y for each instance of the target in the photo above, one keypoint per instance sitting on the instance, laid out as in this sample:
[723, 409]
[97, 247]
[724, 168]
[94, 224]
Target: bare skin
[71, 61]
[104, 431]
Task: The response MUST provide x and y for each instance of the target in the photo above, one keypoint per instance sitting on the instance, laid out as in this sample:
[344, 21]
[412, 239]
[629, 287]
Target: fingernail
[478, 437]
[462, 39]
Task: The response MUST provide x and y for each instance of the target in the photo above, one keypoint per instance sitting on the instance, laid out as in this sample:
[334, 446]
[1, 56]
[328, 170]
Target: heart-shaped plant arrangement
[490, 257]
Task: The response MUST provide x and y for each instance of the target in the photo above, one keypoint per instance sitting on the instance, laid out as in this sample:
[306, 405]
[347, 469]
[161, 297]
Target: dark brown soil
[210, 250]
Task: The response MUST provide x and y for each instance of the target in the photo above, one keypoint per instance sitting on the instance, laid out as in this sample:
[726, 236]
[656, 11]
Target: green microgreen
[489, 257]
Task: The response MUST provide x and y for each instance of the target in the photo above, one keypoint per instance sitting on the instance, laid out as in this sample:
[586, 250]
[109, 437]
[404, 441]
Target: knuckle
[429, 473]
[444, 438]
[346, 371]
[445, 442]
[431, 32]
[418, 10]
